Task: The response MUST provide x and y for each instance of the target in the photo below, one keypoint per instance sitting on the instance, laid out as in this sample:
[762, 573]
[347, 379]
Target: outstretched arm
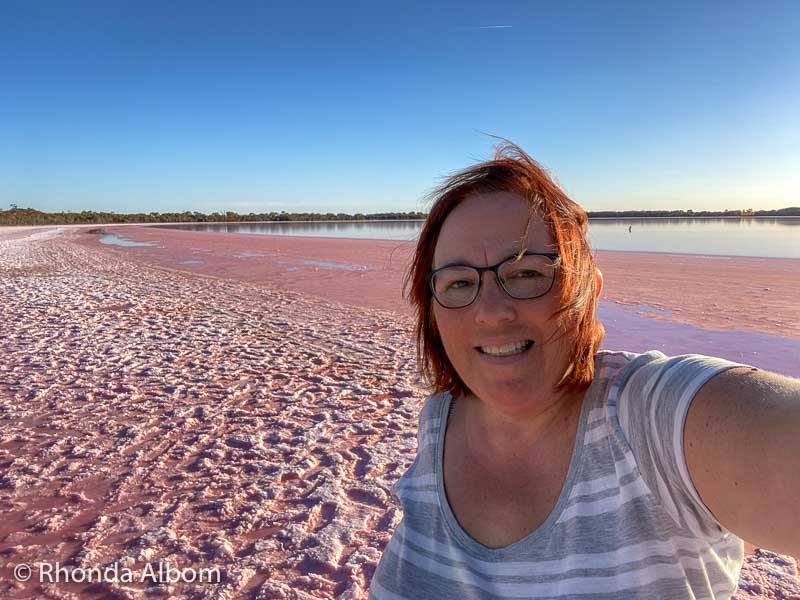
[742, 447]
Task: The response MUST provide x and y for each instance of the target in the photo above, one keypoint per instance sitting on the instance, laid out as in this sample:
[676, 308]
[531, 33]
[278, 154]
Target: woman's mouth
[506, 349]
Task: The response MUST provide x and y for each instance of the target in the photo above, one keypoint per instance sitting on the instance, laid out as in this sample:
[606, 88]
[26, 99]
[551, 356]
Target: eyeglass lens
[529, 277]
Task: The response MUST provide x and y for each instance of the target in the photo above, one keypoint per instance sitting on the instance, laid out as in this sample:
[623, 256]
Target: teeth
[506, 350]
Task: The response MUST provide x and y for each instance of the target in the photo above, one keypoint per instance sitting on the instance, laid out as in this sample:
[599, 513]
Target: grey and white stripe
[628, 524]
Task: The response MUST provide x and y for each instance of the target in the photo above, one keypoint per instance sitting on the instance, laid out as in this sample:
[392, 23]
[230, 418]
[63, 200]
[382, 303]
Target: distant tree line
[31, 216]
[793, 211]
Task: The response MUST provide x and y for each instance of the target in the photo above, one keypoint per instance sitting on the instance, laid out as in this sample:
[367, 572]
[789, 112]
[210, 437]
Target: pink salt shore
[245, 402]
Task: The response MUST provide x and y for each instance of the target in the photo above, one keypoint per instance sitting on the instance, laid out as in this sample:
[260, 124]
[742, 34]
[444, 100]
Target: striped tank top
[629, 523]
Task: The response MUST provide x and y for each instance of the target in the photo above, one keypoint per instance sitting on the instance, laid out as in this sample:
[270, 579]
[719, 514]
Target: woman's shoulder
[621, 358]
[615, 366]
[623, 365]
[621, 374]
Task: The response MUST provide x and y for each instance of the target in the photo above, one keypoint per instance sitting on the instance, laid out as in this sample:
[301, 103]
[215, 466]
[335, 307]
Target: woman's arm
[742, 447]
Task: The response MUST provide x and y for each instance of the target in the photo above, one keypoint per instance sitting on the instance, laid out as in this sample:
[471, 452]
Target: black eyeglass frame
[494, 268]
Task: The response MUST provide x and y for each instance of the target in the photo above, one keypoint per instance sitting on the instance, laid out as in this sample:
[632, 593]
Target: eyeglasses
[524, 278]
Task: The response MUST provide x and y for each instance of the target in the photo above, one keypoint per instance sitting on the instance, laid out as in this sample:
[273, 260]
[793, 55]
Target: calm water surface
[755, 236]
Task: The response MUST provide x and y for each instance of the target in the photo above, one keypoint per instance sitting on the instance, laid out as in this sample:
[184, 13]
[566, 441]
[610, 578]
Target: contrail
[493, 27]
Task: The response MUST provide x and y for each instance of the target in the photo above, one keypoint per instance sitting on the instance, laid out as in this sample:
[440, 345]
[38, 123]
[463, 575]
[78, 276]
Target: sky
[365, 106]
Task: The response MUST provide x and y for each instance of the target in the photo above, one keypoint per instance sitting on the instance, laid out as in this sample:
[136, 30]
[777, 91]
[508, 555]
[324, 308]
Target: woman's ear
[599, 278]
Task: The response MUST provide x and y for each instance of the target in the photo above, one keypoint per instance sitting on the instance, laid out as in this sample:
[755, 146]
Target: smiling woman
[547, 467]
[499, 229]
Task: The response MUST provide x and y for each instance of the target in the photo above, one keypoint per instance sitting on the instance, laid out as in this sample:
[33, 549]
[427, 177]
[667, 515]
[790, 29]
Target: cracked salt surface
[151, 415]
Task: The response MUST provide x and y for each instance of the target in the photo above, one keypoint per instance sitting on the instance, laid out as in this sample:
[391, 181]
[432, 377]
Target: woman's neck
[500, 442]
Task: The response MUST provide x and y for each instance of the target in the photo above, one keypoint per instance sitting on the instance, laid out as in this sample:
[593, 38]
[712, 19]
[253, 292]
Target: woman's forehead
[488, 228]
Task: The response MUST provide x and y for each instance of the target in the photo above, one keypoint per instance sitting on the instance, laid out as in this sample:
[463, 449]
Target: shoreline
[712, 295]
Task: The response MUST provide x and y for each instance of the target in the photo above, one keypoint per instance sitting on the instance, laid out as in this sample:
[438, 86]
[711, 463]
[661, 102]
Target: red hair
[513, 171]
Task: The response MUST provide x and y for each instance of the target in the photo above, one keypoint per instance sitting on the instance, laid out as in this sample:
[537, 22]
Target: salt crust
[147, 414]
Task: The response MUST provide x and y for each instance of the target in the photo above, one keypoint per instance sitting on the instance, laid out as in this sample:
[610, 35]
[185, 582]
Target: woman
[549, 468]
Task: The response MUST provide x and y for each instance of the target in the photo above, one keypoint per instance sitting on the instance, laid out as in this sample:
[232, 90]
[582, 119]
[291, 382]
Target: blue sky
[363, 107]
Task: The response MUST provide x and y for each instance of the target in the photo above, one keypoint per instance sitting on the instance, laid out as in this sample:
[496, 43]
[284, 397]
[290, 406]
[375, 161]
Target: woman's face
[481, 231]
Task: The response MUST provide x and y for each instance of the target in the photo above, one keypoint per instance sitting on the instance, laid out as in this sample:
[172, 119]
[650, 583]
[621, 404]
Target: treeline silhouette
[792, 211]
[31, 216]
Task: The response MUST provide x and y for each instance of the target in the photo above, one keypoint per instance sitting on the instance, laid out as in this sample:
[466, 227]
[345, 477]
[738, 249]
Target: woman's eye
[460, 284]
[526, 274]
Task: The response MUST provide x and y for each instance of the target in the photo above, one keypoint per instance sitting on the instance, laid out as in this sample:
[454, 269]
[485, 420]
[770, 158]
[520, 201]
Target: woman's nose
[493, 303]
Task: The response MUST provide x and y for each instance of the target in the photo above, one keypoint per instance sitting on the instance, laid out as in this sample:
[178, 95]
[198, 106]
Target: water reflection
[381, 230]
[252, 254]
[762, 236]
[630, 328]
[112, 239]
[325, 264]
[720, 236]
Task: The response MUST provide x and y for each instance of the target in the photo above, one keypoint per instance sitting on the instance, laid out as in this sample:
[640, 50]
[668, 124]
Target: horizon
[359, 108]
[391, 216]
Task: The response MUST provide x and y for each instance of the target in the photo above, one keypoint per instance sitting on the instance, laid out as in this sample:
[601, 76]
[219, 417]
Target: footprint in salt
[370, 496]
[320, 516]
[361, 468]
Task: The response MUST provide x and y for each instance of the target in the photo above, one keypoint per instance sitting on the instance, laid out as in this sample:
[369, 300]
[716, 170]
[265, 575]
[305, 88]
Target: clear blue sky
[364, 106]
